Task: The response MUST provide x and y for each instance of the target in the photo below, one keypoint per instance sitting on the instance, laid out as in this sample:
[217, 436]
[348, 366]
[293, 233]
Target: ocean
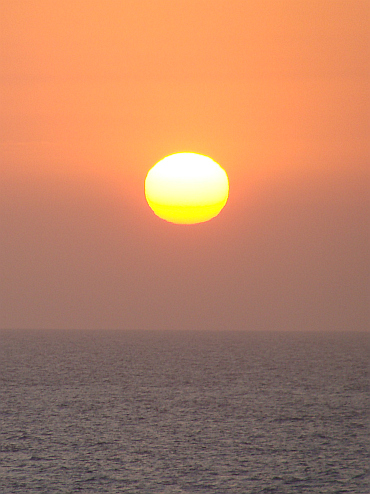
[184, 412]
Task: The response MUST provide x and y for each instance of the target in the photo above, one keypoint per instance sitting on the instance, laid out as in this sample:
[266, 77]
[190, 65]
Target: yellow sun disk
[186, 188]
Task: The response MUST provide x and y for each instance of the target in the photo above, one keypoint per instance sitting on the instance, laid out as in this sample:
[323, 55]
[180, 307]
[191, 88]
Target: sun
[186, 188]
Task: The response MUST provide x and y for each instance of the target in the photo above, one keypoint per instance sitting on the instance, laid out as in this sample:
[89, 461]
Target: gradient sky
[95, 92]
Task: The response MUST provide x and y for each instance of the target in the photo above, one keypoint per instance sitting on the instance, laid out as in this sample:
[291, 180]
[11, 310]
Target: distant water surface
[183, 412]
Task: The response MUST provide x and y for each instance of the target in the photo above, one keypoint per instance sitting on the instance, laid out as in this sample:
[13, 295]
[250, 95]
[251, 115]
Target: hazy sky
[95, 92]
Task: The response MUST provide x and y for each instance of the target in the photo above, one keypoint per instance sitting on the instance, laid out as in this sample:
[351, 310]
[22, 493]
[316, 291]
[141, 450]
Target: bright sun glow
[186, 188]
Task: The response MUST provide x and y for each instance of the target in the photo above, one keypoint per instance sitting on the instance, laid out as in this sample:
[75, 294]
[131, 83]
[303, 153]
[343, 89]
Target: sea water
[183, 412]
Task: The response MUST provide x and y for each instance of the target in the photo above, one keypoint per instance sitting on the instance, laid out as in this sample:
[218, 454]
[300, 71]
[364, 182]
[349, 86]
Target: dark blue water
[183, 412]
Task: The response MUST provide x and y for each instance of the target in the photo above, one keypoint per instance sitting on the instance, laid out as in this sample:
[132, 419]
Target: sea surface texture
[183, 412]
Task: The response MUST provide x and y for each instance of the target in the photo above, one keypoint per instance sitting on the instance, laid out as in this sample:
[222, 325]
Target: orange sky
[93, 93]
